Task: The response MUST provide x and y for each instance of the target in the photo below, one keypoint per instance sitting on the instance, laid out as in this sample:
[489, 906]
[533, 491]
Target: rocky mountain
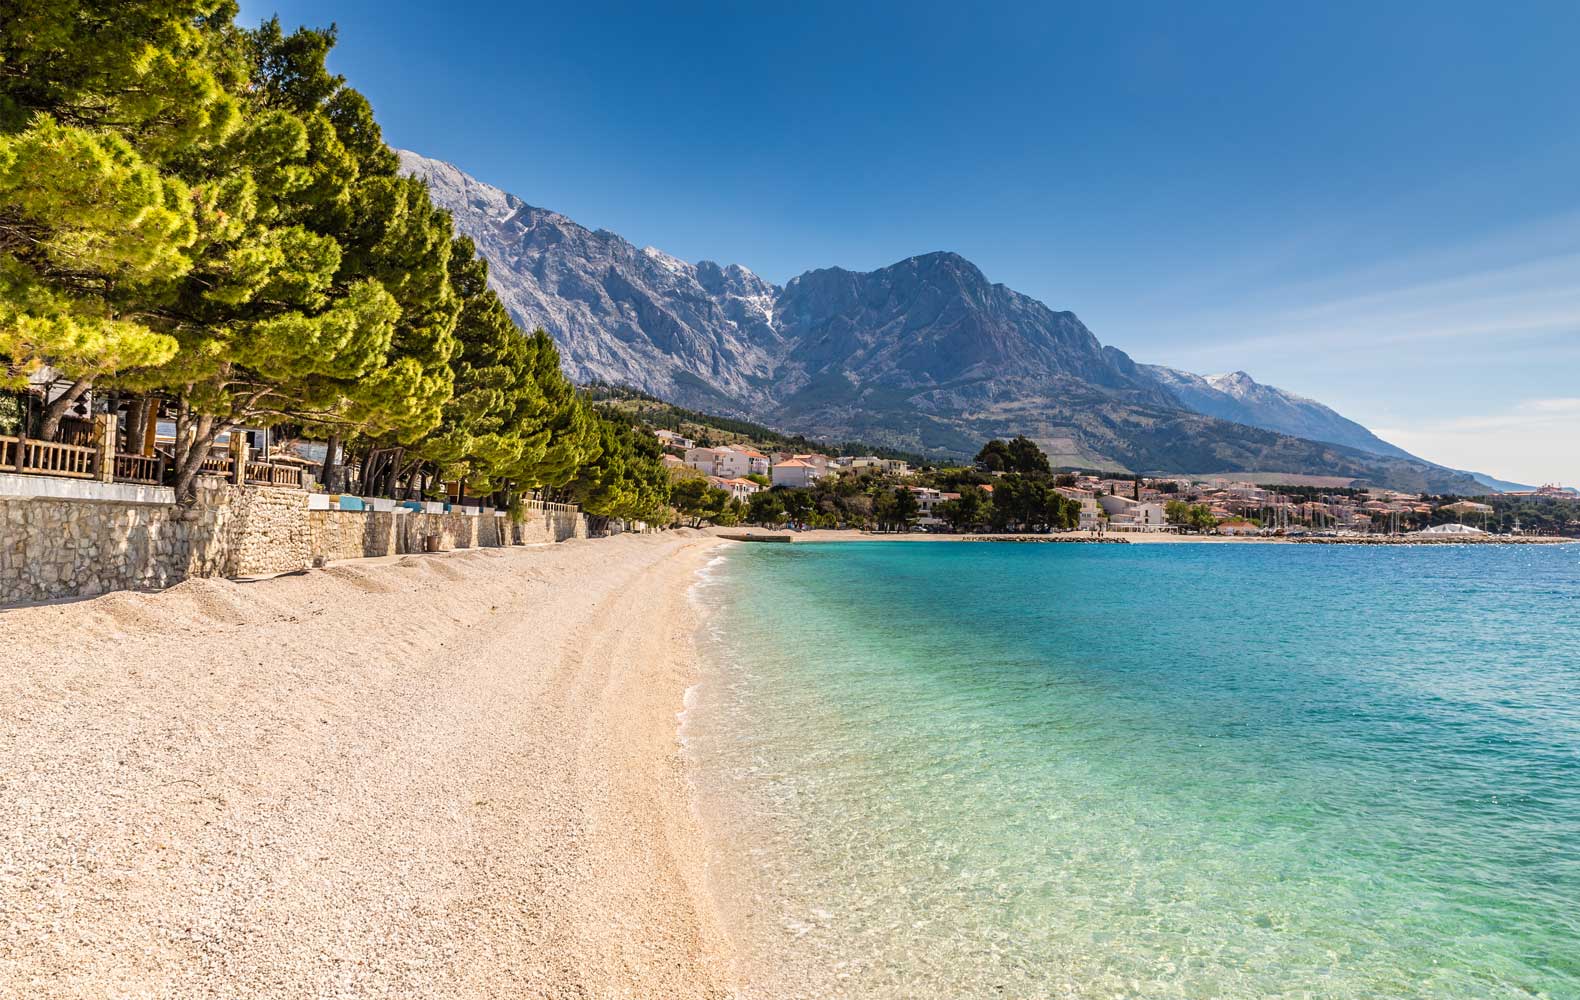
[1241, 398]
[686, 332]
[926, 355]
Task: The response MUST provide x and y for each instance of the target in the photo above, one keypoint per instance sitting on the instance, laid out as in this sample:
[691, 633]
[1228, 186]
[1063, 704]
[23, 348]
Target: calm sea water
[955, 770]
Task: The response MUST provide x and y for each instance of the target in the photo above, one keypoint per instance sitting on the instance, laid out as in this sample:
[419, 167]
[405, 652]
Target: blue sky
[1377, 205]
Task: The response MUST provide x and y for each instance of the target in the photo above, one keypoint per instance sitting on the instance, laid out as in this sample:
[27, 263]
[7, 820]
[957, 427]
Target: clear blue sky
[1377, 205]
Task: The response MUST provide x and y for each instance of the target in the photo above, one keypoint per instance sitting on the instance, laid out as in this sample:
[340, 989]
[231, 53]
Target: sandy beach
[437, 776]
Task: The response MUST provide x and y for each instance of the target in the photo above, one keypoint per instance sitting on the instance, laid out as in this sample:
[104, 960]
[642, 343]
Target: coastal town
[481, 519]
[1102, 504]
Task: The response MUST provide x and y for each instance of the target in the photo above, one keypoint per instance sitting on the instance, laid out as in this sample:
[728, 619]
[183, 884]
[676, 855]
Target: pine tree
[320, 294]
[494, 426]
[99, 99]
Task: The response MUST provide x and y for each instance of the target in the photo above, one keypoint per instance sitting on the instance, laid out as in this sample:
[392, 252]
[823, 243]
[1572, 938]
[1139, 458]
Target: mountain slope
[1239, 397]
[699, 334]
[925, 355]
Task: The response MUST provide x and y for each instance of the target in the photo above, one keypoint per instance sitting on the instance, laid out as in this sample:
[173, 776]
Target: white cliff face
[641, 317]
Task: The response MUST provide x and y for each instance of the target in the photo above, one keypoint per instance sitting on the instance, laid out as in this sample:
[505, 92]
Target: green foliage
[319, 290]
[626, 478]
[208, 214]
[701, 503]
[966, 514]
[766, 508]
[896, 509]
[494, 429]
[1030, 503]
[1198, 516]
[11, 414]
[1020, 454]
[798, 504]
[100, 102]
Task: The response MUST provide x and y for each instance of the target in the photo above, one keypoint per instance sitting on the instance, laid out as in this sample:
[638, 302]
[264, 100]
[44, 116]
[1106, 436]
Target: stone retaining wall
[52, 547]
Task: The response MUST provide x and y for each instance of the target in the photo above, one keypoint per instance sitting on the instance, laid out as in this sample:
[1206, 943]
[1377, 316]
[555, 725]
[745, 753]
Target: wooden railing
[533, 503]
[139, 469]
[217, 466]
[274, 475]
[50, 458]
[46, 458]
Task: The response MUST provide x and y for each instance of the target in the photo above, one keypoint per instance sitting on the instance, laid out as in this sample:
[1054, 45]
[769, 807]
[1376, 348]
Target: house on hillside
[727, 462]
[890, 466]
[794, 473]
[703, 460]
[758, 462]
[740, 489]
[733, 462]
[669, 439]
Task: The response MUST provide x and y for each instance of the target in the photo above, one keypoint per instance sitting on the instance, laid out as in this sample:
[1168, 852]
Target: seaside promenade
[424, 776]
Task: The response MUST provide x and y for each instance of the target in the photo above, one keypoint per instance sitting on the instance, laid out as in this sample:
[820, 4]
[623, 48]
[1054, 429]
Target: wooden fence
[46, 458]
[72, 461]
[146, 469]
[533, 503]
[266, 474]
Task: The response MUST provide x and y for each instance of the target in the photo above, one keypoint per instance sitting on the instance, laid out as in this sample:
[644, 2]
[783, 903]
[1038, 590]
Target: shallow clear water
[956, 770]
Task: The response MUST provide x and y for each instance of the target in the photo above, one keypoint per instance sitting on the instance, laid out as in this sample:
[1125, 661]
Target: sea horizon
[1162, 771]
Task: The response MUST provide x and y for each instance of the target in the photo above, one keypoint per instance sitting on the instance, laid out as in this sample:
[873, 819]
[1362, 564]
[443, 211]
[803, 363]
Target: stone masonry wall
[52, 547]
[543, 526]
[247, 531]
[351, 534]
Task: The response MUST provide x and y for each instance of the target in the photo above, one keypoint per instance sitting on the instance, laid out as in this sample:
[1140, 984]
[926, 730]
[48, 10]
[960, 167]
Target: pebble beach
[453, 775]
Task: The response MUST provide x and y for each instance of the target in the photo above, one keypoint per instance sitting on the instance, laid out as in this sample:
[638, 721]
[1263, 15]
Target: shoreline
[1126, 537]
[453, 775]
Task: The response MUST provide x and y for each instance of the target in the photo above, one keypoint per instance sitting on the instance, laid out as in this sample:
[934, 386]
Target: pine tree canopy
[206, 214]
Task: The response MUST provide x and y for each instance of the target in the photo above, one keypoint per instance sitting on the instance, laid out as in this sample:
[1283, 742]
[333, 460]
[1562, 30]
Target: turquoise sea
[1149, 771]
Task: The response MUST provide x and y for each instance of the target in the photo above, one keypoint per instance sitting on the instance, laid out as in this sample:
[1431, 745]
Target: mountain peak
[924, 354]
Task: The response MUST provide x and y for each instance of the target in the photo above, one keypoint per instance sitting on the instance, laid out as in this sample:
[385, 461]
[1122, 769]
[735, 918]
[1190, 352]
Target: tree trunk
[56, 411]
[330, 473]
[137, 416]
[190, 454]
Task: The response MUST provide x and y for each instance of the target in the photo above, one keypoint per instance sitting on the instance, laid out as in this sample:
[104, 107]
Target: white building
[1091, 517]
[758, 462]
[927, 500]
[795, 473]
[1125, 514]
[740, 489]
[703, 459]
[729, 463]
[732, 463]
[1149, 516]
[1114, 505]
